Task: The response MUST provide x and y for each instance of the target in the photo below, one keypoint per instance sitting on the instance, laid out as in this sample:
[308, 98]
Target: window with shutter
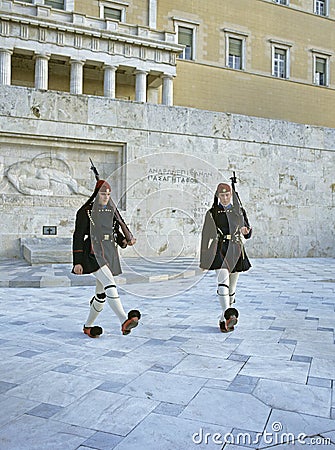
[112, 13]
[185, 37]
[57, 4]
[321, 71]
[235, 53]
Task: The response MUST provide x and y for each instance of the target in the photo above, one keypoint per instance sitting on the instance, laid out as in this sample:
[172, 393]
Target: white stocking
[223, 289]
[97, 305]
[105, 277]
[233, 277]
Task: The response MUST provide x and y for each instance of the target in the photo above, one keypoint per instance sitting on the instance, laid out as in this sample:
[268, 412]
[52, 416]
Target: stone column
[141, 86]
[167, 93]
[109, 81]
[41, 71]
[5, 66]
[76, 81]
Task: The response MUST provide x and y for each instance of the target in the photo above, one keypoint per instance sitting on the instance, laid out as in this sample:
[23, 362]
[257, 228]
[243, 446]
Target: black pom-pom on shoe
[93, 332]
[231, 316]
[133, 317]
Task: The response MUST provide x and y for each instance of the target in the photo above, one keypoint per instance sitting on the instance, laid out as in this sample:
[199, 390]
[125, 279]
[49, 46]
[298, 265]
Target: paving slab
[176, 382]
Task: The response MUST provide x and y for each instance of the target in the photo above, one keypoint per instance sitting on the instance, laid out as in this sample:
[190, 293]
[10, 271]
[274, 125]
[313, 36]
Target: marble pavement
[175, 382]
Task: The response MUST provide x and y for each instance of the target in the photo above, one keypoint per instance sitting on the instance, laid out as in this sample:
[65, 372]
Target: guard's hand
[78, 269]
[244, 230]
[132, 242]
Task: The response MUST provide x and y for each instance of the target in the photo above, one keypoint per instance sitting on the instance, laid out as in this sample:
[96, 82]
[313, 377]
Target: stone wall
[163, 164]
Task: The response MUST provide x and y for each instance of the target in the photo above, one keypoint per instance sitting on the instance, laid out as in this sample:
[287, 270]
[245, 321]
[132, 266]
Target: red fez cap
[102, 185]
[223, 188]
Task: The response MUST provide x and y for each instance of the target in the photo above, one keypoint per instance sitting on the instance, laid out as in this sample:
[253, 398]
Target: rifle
[95, 170]
[235, 194]
[127, 234]
[233, 182]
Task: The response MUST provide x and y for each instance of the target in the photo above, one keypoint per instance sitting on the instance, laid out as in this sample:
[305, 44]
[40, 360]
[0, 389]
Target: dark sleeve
[246, 223]
[205, 234]
[208, 241]
[80, 231]
[118, 236]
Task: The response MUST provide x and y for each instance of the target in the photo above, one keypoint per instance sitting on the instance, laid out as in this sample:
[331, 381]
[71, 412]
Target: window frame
[230, 34]
[192, 45]
[114, 4]
[59, 9]
[287, 48]
[326, 8]
[326, 58]
[185, 23]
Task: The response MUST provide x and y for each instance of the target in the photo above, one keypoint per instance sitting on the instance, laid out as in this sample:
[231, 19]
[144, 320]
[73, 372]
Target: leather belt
[225, 237]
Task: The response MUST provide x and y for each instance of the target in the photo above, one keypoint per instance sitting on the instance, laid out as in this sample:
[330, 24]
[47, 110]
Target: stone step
[50, 250]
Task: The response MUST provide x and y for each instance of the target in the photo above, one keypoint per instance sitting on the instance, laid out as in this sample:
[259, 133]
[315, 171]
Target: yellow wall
[137, 12]
[207, 83]
[87, 7]
[241, 93]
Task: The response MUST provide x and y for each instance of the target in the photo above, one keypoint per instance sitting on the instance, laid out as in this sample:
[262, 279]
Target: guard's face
[225, 198]
[104, 197]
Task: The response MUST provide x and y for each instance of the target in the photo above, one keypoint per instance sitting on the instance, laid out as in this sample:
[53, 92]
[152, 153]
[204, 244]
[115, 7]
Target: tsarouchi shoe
[133, 317]
[231, 316]
[93, 332]
[222, 326]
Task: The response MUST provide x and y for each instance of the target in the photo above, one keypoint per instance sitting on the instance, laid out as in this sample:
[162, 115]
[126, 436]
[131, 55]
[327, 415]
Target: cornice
[73, 23]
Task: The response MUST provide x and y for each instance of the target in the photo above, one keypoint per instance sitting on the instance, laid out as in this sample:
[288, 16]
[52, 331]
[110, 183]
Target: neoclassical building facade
[263, 58]
[59, 49]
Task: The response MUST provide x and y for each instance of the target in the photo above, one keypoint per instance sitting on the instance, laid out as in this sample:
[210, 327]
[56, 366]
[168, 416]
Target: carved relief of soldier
[44, 175]
[222, 248]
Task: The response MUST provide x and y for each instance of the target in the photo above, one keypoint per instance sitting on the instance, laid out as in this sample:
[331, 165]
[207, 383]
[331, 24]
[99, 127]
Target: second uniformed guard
[222, 249]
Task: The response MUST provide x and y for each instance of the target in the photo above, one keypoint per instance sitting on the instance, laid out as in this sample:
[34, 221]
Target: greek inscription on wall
[200, 211]
[174, 176]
